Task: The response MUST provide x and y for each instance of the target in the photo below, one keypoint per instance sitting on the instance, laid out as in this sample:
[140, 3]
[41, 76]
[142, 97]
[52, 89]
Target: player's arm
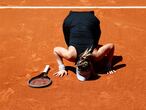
[61, 67]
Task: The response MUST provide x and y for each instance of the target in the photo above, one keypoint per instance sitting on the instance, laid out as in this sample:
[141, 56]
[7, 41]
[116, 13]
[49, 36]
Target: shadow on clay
[99, 67]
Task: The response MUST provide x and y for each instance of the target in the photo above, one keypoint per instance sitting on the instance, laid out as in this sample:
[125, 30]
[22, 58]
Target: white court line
[72, 7]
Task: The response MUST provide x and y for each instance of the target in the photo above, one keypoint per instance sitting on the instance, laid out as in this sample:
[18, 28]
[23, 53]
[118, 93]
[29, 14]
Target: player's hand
[111, 72]
[61, 73]
[109, 69]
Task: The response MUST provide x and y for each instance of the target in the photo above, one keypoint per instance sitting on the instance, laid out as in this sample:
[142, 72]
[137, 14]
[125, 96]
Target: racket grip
[47, 67]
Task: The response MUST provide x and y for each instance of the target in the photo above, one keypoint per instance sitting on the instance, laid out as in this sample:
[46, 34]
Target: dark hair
[84, 61]
[84, 66]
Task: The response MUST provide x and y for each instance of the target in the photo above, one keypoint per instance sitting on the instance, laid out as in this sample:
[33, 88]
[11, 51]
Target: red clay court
[27, 39]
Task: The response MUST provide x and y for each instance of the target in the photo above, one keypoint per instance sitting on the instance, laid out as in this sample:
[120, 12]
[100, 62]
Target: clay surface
[72, 2]
[27, 39]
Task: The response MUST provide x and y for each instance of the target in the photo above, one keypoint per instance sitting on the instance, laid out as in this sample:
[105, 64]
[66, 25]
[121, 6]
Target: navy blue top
[81, 30]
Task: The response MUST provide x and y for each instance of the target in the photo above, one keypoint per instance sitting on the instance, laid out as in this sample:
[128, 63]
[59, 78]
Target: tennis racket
[41, 80]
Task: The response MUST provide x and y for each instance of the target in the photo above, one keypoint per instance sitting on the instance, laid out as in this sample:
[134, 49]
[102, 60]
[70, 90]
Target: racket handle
[47, 67]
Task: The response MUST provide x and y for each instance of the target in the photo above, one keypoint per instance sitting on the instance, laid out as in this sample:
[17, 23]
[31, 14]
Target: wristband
[61, 67]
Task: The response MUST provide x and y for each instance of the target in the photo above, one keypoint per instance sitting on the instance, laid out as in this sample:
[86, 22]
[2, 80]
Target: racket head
[40, 81]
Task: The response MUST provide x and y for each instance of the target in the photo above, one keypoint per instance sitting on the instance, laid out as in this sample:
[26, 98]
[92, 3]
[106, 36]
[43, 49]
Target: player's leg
[105, 50]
